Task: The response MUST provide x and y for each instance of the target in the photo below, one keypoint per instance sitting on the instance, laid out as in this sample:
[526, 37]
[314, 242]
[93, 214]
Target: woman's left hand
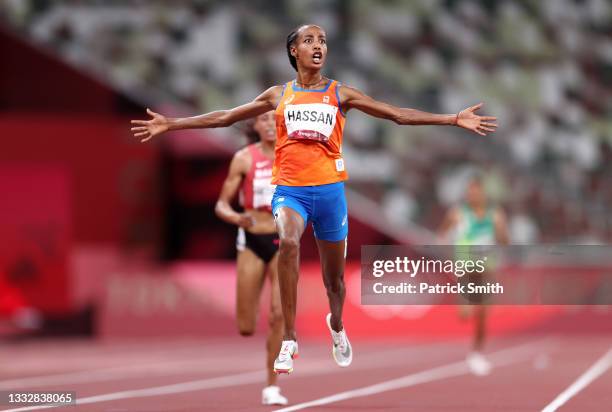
[468, 119]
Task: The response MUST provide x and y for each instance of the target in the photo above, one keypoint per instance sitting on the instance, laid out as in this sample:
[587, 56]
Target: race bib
[262, 188]
[312, 121]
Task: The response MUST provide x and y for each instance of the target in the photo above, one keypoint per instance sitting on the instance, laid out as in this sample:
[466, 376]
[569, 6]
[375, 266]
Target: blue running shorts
[323, 205]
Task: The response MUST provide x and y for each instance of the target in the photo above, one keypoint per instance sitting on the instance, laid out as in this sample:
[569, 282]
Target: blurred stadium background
[103, 236]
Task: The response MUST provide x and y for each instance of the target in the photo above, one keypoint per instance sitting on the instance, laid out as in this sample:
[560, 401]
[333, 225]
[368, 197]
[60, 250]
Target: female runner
[477, 224]
[309, 170]
[257, 243]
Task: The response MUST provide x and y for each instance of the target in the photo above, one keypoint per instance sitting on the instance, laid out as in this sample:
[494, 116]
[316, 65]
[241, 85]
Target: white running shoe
[478, 364]
[270, 395]
[284, 361]
[342, 350]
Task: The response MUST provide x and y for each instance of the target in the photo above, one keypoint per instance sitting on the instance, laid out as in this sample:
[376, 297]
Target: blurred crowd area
[544, 68]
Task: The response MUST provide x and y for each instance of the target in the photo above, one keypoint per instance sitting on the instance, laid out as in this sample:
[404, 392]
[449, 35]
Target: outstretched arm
[223, 208]
[351, 98]
[147, 129]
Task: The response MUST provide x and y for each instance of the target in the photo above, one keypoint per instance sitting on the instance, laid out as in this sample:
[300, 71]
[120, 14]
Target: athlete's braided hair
[290, 40]
[250, 132]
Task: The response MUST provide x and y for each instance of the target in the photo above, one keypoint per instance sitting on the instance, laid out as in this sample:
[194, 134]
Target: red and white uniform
[257, 189]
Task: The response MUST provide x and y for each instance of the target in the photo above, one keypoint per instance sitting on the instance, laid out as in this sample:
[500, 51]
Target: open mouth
[317, 57]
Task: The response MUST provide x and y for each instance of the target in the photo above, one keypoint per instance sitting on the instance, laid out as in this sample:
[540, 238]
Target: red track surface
[221, 375]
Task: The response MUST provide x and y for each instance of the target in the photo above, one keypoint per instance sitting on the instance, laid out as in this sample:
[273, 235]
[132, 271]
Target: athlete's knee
[289, 245]
[334, 284]
[275, 319]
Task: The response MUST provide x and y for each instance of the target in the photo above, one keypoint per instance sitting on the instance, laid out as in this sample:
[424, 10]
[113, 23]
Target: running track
[532, 373]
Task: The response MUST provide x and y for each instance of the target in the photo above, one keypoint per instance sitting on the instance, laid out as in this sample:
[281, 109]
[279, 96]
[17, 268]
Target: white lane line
[230, 380]
[144, 368]
[499, 358]
[594, 372]
[160, 369]
[375, 360]
[43, 363]
[119, 373]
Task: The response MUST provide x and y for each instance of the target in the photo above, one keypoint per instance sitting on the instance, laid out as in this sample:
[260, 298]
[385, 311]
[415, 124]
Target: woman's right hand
[147, 129]
[245, 220]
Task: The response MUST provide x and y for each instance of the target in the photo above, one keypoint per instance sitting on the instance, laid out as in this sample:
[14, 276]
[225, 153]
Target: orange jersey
[309, 127]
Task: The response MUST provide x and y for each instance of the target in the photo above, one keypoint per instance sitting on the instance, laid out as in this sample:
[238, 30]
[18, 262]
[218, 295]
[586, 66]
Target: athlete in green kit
[474, 227]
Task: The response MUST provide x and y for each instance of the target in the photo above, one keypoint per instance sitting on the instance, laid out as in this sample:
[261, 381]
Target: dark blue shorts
[324, 206]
